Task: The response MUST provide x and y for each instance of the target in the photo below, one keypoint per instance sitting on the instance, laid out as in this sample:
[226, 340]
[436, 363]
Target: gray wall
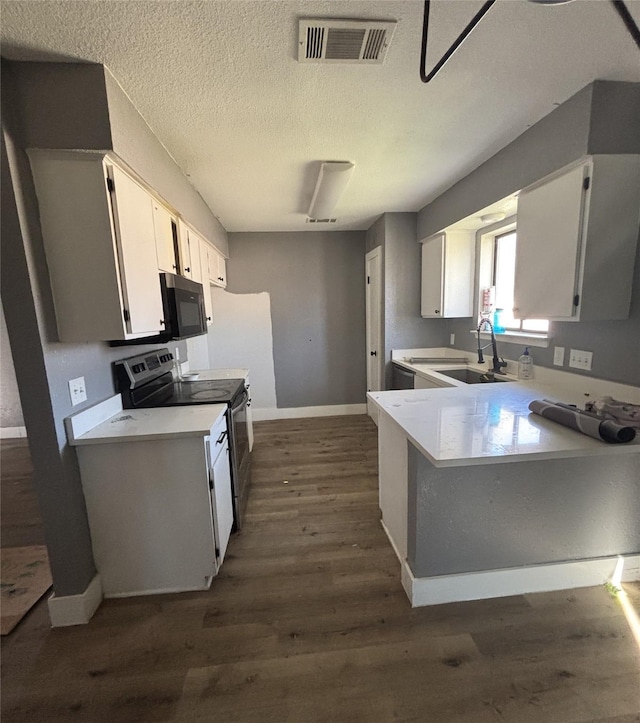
[403, 327]
[487, 517]
[602, 118]
[10, 407]
[35, 114]
[316, 284]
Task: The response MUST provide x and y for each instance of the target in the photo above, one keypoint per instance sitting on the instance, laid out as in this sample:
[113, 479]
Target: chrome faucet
[498, 364]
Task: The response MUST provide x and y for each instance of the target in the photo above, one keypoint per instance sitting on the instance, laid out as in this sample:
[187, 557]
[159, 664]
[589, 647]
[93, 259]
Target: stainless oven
[146, 380]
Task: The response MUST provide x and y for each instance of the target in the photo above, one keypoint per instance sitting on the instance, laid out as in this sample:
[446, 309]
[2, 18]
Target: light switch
[558, 356]
[580, 359]
[77, 390]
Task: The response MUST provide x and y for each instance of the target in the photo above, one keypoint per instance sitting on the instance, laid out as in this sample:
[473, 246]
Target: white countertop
[487, 424]
[205, 375]
[138, 425]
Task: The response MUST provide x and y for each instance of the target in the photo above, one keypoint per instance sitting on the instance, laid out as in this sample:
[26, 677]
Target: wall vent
[344, 41]
[321, 220]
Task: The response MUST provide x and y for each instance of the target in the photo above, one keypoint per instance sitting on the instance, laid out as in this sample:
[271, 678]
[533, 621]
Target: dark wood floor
[308, 622]
[20, 520]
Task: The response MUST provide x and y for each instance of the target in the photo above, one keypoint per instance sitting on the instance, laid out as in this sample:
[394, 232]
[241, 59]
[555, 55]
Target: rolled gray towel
[585, 422]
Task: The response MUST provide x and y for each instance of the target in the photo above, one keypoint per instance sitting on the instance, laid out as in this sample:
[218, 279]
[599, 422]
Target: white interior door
[375, 347]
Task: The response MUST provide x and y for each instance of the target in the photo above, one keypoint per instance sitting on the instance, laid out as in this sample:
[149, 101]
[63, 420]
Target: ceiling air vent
[344, 41]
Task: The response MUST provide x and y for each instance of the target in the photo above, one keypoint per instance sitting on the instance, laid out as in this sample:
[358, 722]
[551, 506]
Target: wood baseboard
[518, 581]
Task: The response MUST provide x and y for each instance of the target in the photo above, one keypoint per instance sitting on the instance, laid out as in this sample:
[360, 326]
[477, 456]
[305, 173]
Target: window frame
[485, 276]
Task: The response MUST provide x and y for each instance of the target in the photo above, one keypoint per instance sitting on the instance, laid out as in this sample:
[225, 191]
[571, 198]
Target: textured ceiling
[219, 83]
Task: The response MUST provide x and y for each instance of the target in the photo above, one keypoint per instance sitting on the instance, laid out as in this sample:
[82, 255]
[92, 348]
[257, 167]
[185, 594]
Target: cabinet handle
[374, 353]
[173, 266]
[186, 268]
[162, 322]
[220, 439]
[437, 311]
[208, 318]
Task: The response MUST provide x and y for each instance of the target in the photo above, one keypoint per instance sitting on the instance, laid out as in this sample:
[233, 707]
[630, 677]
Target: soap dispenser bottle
[525, 365]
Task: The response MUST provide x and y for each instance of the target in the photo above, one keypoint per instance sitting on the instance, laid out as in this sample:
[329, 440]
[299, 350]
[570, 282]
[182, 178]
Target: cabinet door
[221, 497]
[550, 223]
[165, 228]
[222, 270]
[206, 261]
[191, 251]
[459, 258]
[133, 210]
[249, 414]
[432, 276]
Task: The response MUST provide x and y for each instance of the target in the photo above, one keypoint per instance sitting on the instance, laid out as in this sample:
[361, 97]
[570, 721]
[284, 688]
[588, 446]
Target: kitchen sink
[471, 376]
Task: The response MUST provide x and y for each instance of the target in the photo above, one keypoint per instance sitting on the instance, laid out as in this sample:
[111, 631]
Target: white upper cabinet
[447, 275]
[577, 237]
[213, 265]
[221, 270]
[99, 237]
[189, 252]
[165, 226]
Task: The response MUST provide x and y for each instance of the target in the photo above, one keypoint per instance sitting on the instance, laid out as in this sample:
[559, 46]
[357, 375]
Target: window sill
[518, 337]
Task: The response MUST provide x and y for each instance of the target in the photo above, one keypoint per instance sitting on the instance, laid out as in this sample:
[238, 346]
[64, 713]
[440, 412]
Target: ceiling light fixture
[333, 178]
[619, 6]
[493, 217]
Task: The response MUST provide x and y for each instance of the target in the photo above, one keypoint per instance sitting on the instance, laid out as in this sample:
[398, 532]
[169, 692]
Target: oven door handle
[220, 439]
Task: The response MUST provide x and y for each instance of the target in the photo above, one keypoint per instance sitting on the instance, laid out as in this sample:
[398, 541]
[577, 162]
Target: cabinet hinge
[111, 186]
[576, 300]
[586, 182]
[125, 314]
[210, 483]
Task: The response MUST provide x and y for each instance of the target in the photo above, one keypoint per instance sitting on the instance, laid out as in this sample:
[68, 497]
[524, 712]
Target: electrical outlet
[77, 390]
[580, 359]
[452, 339]
[558, 356]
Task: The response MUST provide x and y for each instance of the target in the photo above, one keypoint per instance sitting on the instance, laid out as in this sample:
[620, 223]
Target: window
[501, 248]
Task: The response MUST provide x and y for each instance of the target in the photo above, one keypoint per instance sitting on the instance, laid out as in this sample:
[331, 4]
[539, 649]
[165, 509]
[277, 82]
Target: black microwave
[183, 307]
[183, 312]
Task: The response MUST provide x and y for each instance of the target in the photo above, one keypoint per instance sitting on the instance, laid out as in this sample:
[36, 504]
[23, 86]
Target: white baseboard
[262, 415]
[12, 432]
[75, 609]
[516, 581]
[393, 544]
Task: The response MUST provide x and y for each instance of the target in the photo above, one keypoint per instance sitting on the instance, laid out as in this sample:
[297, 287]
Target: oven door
[240, 455]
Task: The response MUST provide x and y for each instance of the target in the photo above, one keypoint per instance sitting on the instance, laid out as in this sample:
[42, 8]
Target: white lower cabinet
[249, 413]
[220, 488]
[160, 511]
